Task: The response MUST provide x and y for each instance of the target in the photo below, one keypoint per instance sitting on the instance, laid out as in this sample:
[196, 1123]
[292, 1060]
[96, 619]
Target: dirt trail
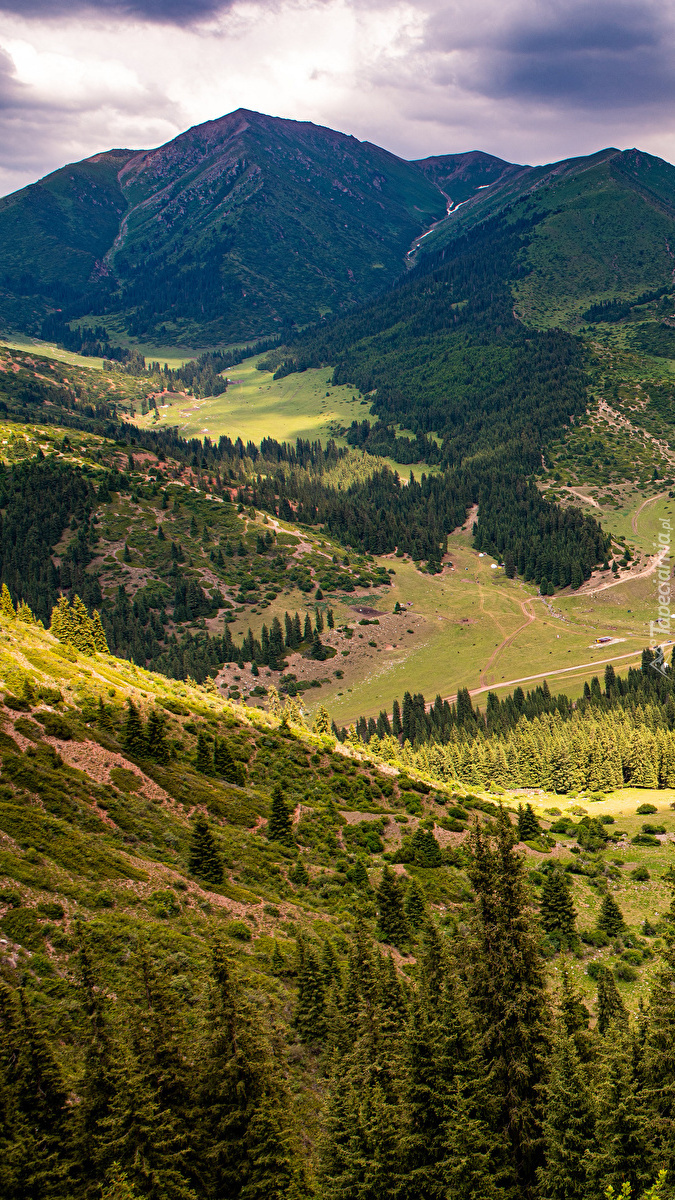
[526, 609]
[649, 500]
[575, 491]
[600, 662]
[649, 570]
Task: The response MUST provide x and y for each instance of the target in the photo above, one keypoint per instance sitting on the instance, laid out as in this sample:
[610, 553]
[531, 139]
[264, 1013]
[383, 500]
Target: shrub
[238, 930]
[52, 910]
[594, 937]
[641, 874]
[21, 925]
[16, 704]
[163, 904]
[646, 809]
[595, 968]
[624, 971]
[54, 725]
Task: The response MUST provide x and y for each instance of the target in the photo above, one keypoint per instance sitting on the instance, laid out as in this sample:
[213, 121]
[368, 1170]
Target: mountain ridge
[232, 229]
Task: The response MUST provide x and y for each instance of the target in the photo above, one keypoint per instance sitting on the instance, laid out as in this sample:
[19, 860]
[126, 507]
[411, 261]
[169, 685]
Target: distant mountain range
[248, 225]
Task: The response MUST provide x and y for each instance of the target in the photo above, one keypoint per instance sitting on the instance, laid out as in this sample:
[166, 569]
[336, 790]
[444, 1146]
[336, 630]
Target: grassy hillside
[117, 940]
[602, 229]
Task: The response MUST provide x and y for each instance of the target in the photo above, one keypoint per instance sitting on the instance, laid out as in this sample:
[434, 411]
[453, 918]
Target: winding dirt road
[530, 616]
[649, 500]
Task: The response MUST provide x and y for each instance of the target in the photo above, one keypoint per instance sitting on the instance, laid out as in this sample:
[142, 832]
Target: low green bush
[238, 930]
[21, 925]
[54, 725]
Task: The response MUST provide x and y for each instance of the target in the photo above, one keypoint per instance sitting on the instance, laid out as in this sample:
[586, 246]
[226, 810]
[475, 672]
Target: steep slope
[54, 234]
[604, 231]
[250, 220]
[229, 230]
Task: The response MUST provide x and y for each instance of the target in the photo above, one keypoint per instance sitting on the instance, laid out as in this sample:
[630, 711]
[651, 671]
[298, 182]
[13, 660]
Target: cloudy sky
[528, 80]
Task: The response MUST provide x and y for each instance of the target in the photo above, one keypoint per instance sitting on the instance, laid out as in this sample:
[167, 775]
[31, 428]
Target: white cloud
[527, 80]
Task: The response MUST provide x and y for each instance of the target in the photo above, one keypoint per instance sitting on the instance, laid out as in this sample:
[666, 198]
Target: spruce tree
[508, 996]
[6, 607]
[144, 1141]
[133, 735]
[447, 1148]
[83, 635]
[623, 1136]
[659, 1055]
[611, 919]
[100, 1067]
[204, 860]
[299, 874]
[576, 1017]
[390, 911]
[273, 1168]
[310, 1017]
[528, 825]
[204, 761]
[322, 721]
[45, 1152]
[98, 633]
[225, 764]
[155, 738]
[415, 905]
[569, 1127]
[610, 1005]
[243, 1127]
[103, 717]
[558, 915]
[279, 828]
[361, 875]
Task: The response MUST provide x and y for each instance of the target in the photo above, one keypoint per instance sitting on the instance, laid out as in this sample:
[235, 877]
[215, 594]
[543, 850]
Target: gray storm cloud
[528, 80]
[178, 12]
[605, 55]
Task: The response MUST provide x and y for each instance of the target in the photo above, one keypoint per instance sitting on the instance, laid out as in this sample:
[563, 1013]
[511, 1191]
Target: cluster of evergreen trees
[465, 1079]
[159, 1112]
[621, 734]
[478, 1082]
[415, 722]
[38, 499]
[294, 635]
[72, 624]
[540, 541]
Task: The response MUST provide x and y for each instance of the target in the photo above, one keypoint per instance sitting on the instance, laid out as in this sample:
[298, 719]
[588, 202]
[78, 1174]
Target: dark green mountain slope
[605, 231]
[54, 234]
[248, 220]
[231, 229]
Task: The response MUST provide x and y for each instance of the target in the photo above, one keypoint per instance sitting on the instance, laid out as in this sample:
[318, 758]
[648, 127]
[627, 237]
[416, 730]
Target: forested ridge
[619, 733]
[465, 1078]
[47, 498]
